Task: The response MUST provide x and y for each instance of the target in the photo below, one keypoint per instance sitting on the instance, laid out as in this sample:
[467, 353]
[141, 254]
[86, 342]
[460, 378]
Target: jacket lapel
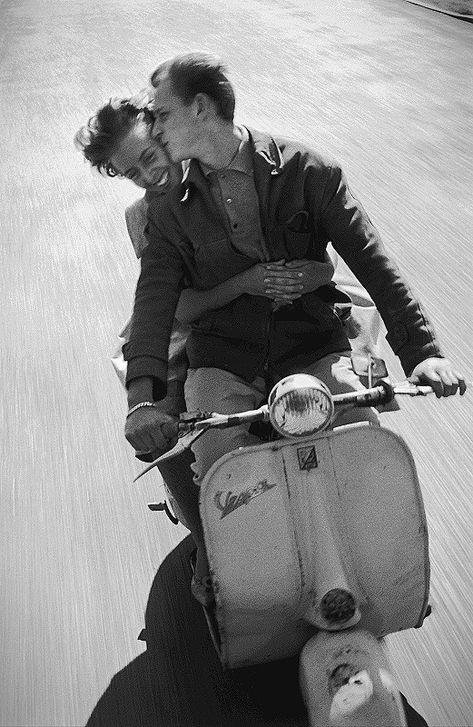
[267, 166]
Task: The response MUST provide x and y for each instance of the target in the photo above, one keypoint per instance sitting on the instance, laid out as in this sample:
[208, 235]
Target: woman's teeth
[162, 179]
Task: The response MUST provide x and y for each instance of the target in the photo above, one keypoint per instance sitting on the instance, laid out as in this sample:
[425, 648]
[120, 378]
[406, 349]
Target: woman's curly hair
[98, 139]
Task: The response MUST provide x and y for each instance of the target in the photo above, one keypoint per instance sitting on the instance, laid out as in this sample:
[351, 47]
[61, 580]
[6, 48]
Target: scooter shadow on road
[178, 681]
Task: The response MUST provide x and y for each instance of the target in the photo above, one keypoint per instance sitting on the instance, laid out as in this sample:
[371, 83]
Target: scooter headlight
[300, 405]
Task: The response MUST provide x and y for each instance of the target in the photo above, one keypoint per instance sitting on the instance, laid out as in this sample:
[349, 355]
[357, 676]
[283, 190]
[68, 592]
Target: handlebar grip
[407, 388]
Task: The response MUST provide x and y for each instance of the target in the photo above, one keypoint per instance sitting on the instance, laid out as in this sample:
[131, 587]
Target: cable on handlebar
[382, 393]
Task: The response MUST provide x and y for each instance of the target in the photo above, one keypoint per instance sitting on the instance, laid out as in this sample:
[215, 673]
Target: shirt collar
[242, 161]
[265, 157]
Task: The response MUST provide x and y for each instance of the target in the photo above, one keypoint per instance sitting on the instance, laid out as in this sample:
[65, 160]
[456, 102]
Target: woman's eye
[163, 115]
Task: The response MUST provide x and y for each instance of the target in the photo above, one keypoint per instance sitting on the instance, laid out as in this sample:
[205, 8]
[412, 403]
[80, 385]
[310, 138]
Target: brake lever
[183, 443]
[199, 423]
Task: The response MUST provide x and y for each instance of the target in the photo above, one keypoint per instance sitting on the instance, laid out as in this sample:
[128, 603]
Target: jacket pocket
[298, 245]
[292, 238]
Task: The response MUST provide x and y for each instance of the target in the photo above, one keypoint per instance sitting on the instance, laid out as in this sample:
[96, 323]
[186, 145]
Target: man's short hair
[99, 138]
[193, 73]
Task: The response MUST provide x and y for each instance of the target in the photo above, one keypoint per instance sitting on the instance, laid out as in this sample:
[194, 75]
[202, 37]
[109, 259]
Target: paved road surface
[383, 85]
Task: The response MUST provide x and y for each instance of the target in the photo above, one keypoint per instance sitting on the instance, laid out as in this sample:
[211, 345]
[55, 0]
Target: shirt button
[229, 200]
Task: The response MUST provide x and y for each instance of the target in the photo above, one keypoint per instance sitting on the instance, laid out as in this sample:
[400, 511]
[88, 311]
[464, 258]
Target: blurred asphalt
[383, 85]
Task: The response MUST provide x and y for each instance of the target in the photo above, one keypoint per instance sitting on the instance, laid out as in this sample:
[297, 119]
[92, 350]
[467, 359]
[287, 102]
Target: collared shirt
[233, 189]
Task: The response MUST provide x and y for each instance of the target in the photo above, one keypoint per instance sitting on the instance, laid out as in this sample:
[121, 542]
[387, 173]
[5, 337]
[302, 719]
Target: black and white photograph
[236, 469]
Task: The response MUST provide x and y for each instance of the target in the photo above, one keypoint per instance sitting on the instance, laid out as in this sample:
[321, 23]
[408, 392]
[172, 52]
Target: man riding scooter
[246, 198]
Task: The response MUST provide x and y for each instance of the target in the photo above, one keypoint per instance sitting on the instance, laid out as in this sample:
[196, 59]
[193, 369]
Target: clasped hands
[284, 281]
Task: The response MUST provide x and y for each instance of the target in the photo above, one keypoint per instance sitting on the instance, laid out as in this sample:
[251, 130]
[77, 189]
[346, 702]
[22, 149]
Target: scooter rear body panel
[259, 506]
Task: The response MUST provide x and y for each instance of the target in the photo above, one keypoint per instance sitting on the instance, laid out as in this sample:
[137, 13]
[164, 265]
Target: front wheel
[346, 681]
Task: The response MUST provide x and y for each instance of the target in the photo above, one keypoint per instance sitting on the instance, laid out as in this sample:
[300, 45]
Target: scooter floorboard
[190, 687]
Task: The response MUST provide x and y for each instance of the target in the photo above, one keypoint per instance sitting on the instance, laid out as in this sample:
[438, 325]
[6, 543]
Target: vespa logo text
[233, 502]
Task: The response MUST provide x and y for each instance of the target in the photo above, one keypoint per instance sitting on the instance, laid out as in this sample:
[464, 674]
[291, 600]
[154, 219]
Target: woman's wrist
[234, 286]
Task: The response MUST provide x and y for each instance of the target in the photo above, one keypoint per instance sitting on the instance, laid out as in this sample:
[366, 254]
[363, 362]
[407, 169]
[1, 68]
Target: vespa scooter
[317, 544]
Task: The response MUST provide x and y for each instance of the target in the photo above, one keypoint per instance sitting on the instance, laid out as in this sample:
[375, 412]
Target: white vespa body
[287, 522]
[318, 545]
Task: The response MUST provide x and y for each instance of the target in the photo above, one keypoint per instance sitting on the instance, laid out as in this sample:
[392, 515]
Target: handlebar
[193, 425]
[222, 421]
[383, 393]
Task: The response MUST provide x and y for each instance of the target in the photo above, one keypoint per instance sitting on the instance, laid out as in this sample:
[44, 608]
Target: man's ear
[202, 106]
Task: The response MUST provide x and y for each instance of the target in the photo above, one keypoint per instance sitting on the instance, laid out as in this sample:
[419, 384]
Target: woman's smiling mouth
[162, 179]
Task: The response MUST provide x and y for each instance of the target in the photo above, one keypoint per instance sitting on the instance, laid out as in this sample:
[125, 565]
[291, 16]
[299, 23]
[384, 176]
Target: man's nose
[146, 180]
[156, 131]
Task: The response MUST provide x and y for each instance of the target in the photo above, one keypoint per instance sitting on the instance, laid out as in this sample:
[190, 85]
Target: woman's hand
[271, 280]
[312, 274]
[283, 281]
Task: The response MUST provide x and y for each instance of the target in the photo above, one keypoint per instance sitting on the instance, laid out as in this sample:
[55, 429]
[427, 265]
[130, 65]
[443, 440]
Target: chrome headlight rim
[308, 390]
